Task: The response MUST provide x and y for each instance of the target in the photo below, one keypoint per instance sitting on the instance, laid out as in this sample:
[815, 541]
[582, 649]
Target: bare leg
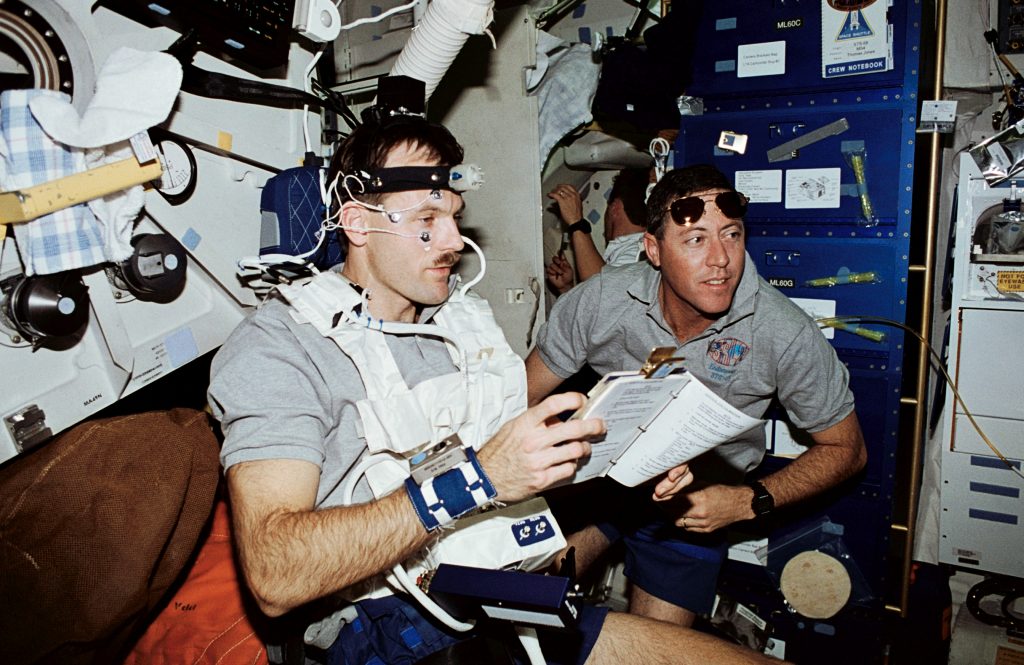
[627, 638]
[644, 604]
[590, 544]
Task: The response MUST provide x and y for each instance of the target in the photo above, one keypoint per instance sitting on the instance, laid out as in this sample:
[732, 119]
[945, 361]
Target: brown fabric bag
[95, 527]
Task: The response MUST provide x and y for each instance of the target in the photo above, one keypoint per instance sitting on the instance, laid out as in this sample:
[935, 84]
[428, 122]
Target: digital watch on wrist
[763, 501]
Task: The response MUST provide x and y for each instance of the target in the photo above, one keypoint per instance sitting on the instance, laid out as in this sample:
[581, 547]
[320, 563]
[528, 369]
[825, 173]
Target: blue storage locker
[802, 267]
[819, 186]
[770, 74]
[873, 394]
[876, 396]
[750, 49]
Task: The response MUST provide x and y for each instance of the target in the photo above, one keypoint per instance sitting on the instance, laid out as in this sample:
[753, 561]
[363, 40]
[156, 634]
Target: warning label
[1010, 280]
[1006, 656]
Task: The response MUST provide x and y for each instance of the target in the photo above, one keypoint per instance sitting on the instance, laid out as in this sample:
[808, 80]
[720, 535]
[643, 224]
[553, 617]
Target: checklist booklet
[656, 420]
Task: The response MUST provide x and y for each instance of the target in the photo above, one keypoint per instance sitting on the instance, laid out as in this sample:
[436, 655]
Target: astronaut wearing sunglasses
[742, 338]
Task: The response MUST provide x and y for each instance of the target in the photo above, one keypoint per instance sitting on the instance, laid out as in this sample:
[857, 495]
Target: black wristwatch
[582, 225]
[763, 501]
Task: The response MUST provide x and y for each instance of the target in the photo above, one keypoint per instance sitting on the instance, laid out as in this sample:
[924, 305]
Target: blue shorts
[394, 630]
[664, 560]
[676, 566]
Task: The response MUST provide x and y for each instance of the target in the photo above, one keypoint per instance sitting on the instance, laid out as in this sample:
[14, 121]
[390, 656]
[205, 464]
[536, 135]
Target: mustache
[447, 259]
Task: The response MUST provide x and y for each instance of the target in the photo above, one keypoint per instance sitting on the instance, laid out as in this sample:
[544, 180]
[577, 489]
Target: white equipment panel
[129, 343]
[982, 512]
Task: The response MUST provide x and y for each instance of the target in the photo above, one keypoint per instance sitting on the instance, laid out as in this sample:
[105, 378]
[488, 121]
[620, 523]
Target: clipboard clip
[661, 362]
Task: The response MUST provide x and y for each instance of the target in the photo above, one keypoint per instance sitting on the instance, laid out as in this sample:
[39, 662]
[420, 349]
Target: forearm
[292, 557]
[816, 470]
[540, 380]
[838, 453]
[589, 261]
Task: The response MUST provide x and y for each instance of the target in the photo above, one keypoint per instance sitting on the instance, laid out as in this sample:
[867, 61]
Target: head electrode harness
[458, 179]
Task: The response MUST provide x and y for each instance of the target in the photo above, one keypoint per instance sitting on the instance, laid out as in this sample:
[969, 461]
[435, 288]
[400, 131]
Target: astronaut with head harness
[369, 408]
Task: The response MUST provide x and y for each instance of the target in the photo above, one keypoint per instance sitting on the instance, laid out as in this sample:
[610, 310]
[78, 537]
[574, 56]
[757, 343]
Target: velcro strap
[441, 500]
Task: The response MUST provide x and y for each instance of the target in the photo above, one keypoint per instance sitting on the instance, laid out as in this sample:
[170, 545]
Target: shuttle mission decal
[855, 38]
[724, 354]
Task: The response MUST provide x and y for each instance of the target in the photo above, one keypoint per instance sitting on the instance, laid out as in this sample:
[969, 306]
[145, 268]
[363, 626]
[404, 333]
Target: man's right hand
[535, 450]
[570, 205]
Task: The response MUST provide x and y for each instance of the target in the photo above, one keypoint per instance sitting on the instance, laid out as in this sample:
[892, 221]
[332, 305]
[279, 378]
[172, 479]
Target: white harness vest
[488, 389]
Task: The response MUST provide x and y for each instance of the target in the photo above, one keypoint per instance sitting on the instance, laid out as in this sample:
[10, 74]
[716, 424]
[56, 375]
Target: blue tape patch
[991, 516]
[998, 490]
[584, 34]
[181, 347]
[580, 10]
[726, 23]
[992, 462]
[725, 66]
[411, 637]
[532, 530]
[191, 239]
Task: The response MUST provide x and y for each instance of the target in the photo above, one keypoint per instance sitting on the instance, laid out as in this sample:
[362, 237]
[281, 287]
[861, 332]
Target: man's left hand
[714, 507]
[675, 480]
[559, 273]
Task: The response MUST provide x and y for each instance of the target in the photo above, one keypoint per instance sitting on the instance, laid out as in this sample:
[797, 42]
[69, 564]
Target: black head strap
[406, 178]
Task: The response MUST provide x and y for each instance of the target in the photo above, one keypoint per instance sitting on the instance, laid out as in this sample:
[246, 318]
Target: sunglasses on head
[689, 209]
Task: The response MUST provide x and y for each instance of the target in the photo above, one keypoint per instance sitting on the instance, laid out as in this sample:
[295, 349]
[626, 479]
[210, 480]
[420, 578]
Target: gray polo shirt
[281, 390]
[764, 346]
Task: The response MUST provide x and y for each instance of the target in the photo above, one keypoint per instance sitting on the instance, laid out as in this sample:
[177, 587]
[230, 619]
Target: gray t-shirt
[764, 346]
[283, 391]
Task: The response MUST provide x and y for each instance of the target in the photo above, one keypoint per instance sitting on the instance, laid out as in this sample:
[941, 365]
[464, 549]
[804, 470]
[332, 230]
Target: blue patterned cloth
[63, 240]
[565, 82]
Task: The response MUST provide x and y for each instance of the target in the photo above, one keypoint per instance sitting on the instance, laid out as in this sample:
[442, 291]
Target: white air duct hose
[439, 37]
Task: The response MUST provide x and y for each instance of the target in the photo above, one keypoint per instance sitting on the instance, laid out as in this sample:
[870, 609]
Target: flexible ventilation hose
[439, 37]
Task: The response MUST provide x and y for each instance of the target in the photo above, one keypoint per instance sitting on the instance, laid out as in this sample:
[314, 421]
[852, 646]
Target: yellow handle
[27, 204]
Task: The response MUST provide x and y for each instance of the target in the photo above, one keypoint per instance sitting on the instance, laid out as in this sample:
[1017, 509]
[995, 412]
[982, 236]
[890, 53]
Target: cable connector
[465, 177]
